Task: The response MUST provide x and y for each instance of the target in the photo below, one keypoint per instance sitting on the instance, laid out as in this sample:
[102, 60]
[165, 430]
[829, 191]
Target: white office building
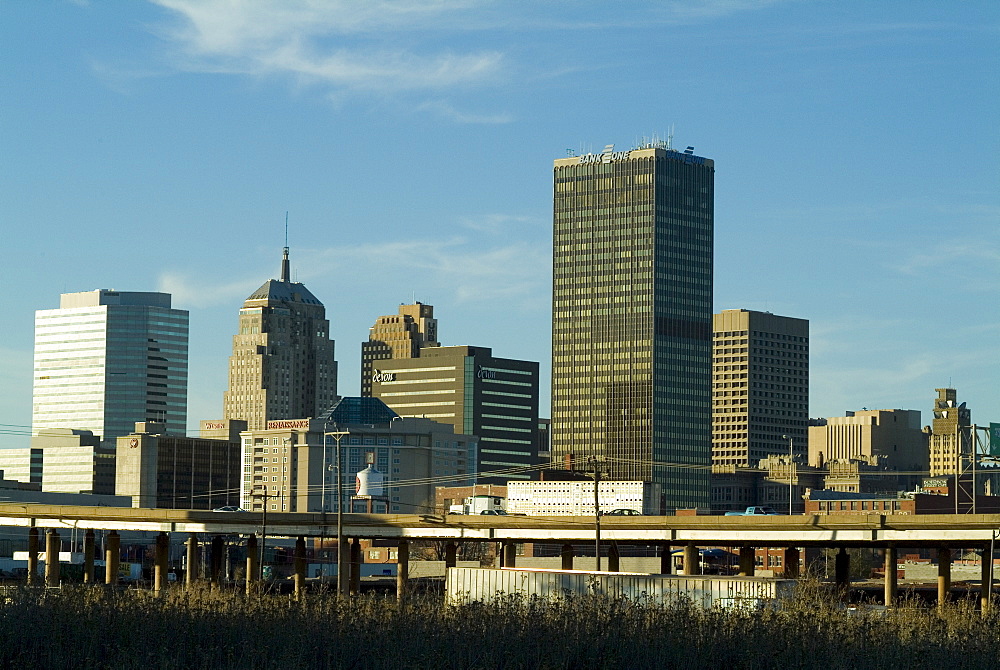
[576, 498]
[107, 359]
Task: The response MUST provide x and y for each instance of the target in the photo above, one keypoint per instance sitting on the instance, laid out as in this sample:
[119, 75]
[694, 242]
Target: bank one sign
[609, 155]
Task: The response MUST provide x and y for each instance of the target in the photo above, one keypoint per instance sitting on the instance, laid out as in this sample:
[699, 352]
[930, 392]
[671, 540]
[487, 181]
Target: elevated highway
[966, 530]
[889, 533]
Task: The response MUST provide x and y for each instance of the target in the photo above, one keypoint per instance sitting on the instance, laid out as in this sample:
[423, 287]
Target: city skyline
[157, 146]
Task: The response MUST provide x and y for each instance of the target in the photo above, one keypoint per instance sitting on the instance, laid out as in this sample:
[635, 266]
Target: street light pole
[343, 585]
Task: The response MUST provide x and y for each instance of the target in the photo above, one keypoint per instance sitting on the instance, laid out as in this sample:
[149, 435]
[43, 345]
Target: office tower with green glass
[106, 359]
[632, 317]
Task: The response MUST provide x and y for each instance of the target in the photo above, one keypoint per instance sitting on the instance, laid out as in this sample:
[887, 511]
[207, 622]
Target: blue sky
[158, 145]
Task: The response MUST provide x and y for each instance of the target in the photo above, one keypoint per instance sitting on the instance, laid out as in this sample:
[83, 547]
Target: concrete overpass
[943, 532]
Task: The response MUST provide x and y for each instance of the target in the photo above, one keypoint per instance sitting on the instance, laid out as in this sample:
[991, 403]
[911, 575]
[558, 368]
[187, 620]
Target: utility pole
[596, 471]
[263, 531]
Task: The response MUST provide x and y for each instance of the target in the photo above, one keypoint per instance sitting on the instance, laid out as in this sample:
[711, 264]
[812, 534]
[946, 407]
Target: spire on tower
[285, 270]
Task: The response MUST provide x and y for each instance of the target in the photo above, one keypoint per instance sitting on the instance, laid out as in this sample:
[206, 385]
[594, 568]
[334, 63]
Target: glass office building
[632, 317]
[479, 394]
[107, 359]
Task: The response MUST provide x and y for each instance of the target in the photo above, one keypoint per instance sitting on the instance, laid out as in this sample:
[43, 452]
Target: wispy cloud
[502, 224]
[339, 44]
[837, 388]
[448, 111]
[200, 291]
[467, 269]
[952, 255]
[517, 272]
[392, 47]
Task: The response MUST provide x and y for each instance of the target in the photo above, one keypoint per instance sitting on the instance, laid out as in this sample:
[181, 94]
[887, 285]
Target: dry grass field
[94, 628]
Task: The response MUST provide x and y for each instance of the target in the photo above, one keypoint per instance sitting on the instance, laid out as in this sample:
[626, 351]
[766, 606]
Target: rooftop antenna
[670, 138]
[284, 256]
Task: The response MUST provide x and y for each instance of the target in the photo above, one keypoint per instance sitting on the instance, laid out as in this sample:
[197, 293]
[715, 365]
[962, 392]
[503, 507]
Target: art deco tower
[400, 335]
[632, 316]
[283, 364]
[950, 445]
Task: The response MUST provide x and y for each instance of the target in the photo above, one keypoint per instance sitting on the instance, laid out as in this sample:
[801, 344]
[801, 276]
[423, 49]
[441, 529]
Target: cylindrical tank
[369, 482]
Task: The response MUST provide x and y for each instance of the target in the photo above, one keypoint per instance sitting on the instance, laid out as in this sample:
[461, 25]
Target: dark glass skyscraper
[632, 316]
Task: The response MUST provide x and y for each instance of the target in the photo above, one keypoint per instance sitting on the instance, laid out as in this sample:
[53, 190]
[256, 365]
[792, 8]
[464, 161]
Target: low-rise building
[843, 502]
[291, 465]
[576, 498]
[173, 471]
[63, 460]
[22, 464]
[883, 440]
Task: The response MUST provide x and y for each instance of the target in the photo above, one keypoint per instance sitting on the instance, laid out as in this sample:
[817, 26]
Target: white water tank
[369, 483]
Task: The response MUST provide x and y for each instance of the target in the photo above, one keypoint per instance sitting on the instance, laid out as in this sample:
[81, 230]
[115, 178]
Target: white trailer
[465, 585]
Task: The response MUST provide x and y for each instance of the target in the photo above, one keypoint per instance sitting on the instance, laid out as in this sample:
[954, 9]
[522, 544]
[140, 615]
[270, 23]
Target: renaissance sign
[283, 425]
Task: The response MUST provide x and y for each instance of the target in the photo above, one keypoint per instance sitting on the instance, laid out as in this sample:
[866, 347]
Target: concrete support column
[691, 559]
[944, 575]
[450, 555]
[218, 549]
[88, 556]
[614, 558]
[160, 556]
[253, 562]
[355, 566]
[890, 575]
[191, 574]
[986, 579]
[300, 567]
[748, 563]
[52, 558]
[402, 569]
[509, 555]
[112, 557]
[792, 559]
[33, 556]
[666, 560]
[842, 568]
[567, 556]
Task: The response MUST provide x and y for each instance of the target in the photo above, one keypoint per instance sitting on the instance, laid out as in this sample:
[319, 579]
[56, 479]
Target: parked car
[624, 511]
[754, 511]
[495, 512]
[229, 508]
